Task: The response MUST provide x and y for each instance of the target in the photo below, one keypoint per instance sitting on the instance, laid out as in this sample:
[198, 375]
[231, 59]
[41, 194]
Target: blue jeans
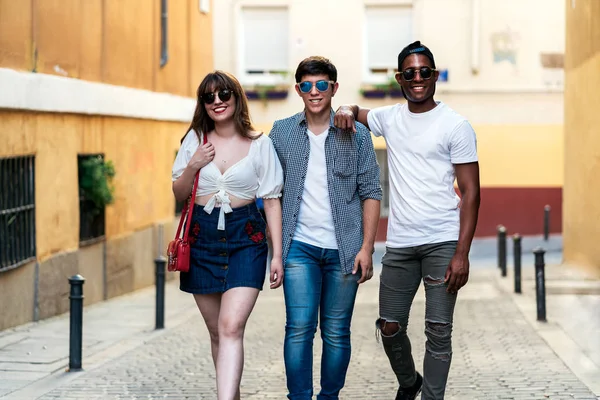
[314, 279]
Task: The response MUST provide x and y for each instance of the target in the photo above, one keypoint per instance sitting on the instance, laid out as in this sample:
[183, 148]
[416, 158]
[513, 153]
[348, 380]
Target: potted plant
[96, 191]
[266, 92]
[394, 88]
[251, 93]
[374, 91]
[95, 182]
[277, 92]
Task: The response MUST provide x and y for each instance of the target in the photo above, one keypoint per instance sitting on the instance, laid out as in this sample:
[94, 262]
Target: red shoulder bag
[178, 252]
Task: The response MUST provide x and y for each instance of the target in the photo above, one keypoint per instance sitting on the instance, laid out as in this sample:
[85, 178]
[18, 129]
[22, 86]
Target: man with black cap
[430, 228]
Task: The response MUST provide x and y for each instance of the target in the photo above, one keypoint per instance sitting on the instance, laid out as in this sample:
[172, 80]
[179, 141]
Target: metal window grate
[17, 211]
[91, 219]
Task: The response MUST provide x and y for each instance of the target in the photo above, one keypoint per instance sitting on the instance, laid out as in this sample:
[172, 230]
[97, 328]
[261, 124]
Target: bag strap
[188, 209]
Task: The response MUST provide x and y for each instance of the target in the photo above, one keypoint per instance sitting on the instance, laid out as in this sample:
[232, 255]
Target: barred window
[17, 211]
[384, 181]
[91, 216]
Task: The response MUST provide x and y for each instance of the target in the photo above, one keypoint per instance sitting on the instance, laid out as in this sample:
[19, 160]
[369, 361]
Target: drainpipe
[164, 54]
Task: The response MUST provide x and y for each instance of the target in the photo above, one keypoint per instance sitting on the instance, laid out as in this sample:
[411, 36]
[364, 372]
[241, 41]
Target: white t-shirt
[422, 148]
[315, 221]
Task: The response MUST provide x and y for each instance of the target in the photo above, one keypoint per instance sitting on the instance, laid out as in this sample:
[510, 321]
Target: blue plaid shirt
[352, 176]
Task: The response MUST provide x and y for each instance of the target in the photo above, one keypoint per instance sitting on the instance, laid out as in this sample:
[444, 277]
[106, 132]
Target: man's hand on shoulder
[344, 118]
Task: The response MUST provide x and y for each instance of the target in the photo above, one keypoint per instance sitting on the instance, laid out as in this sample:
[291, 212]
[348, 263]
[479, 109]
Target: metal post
[76, 322]
[540, 284]
[502, 249]
[517, 261]
[546, 222]
[160, 263]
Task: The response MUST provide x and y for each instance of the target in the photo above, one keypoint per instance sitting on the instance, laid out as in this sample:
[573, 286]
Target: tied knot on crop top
[258, 174]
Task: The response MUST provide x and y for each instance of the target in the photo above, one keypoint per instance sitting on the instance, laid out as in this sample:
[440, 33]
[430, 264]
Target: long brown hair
[215, 81]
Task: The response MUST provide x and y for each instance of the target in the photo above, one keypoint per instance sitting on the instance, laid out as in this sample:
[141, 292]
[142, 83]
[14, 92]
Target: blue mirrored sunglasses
[321, 86]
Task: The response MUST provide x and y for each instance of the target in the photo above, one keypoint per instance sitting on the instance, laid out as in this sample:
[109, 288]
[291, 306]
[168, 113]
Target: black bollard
[76, 322]
[546, 222]
[502, 249]
[517, 261]
[160, 263]
[540, 284]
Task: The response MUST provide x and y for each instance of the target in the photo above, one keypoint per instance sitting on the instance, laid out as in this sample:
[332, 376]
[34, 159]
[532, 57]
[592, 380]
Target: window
[264, 42]
[91, 216]
[384, 181]
[388, 30]
[17, 211]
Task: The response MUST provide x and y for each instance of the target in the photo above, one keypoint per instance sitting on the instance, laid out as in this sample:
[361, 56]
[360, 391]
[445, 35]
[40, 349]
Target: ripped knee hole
[430, 280]
[388, 328]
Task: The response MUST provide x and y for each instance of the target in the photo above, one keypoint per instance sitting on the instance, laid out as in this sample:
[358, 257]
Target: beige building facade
[501, 64]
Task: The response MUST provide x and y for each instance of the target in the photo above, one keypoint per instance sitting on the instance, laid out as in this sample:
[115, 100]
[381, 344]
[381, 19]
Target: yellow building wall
[130, 45]
[90, 53]
[174, 76]
[111, 41]
[115, 42]
[16, 41]
[581, 208]
[520, 155]
[57, 36]
[142, 152]
[201, 59]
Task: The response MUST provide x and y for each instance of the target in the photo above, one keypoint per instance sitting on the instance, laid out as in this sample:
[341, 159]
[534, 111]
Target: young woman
[229, 248]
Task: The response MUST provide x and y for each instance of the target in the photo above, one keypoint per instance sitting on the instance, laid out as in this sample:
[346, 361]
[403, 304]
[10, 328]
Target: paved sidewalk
[37, 354]
[498, 351]
[572, 329]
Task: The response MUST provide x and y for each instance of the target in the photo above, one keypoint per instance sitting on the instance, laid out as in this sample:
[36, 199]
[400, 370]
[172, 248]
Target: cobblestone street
[497, 355]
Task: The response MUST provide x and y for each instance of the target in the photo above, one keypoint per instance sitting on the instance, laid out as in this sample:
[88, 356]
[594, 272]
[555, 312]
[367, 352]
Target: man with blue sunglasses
[430, 228]
[330, 211]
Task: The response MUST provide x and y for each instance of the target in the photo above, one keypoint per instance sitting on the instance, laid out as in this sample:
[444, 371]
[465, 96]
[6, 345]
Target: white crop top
[259, 174]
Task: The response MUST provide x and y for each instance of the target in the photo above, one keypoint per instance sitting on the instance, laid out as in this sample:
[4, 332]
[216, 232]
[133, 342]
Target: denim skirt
[221, 260]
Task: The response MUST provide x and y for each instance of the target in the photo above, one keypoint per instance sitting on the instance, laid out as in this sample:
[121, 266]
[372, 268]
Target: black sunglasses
[209, 98]
[410, 73]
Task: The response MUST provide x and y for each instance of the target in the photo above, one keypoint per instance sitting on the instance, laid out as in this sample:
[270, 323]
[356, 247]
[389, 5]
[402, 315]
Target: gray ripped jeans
[403, 270]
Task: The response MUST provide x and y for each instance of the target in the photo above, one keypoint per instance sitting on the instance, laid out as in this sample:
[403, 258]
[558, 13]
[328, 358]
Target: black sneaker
[410, 393]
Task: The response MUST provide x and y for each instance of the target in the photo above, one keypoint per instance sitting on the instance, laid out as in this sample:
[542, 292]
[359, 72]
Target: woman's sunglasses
[209, 98]
[425, 72]
[322, 86]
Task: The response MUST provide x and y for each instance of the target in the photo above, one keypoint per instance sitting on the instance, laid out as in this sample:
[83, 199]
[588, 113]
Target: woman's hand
[202, 156]
[276, 272]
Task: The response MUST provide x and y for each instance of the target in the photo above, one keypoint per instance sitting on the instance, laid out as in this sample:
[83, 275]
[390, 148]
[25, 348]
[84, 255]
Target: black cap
[415, 48]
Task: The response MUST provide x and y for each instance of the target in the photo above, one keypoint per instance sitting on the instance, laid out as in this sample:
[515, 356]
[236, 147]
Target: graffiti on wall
[505, 46]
